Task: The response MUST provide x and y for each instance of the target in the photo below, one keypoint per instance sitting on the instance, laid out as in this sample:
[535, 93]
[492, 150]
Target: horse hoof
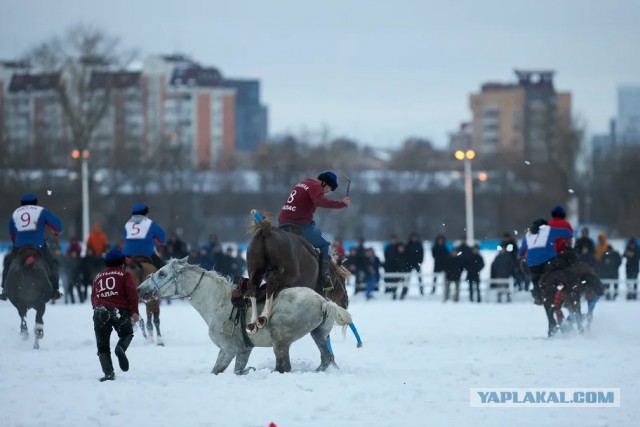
[160, 341]
[261, 322]
[24, 335]
[251, 329]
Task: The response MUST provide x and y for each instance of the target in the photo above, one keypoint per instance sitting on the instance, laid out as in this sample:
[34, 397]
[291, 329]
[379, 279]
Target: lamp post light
[467, 156]
[84, 171]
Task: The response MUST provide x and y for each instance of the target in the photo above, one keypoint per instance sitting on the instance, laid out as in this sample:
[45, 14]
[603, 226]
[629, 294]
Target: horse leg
[281, 350]
[150, 320]
[38, 330]
[553, 326]
[577, 314]
[156, 323]
[24, 331]
[320, 336]
[224, 359]
[251, 326]
[241, 362]
[263, 319]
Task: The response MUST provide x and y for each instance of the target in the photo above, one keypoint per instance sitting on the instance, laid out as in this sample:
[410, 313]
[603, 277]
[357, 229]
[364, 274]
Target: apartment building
[523, 116]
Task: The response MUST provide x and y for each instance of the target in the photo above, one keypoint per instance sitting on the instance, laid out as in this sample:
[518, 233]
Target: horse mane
[265, 225]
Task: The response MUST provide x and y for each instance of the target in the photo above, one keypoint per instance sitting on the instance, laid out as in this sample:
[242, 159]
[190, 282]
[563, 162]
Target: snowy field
[419, 359]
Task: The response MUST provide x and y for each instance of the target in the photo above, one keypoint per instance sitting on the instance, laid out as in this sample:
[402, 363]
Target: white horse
[296, 312]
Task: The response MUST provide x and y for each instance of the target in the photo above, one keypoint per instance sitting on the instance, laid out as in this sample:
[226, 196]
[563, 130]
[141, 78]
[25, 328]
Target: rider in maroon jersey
[299, 207]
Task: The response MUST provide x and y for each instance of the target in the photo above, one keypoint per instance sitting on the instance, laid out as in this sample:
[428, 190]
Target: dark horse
[28, 286]
[285, 259]
[140, 268]
[565, 282]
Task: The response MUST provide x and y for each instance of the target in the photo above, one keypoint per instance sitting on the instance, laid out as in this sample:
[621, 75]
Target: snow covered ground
[419, 359]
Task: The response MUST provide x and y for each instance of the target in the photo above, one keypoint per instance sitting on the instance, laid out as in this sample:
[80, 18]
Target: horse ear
[185, 259]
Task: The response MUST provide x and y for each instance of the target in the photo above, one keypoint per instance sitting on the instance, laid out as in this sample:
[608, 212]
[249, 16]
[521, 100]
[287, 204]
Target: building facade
[522, 117]
[172, 107]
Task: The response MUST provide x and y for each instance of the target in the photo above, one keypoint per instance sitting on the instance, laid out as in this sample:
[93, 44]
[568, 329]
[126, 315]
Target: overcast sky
[375, 71]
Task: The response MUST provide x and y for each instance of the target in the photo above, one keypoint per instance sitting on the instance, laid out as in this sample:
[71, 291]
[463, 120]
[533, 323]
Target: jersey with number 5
[141, 236]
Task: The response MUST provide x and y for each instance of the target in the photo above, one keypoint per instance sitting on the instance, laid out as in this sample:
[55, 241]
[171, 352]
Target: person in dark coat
[397, 263]
[476, 264]
[510, 246]
[440, 254]
[175, 248]
[114, 299]
[585, 247]
[415, 257]
[372, 277]
[453, 272]
[607, 268]
[632, 266]
[502, 267]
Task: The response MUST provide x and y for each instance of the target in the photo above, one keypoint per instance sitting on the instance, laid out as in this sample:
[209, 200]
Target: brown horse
[140, 268]
[285, 259]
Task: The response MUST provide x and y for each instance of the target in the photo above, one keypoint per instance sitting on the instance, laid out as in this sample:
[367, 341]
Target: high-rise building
[524, 116]
[628, 117]
[251, 115]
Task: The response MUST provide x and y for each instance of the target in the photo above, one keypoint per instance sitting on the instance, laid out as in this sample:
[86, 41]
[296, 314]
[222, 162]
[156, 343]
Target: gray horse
[296, 312]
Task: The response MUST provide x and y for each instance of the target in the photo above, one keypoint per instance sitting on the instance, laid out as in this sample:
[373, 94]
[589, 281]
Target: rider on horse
[539, 247]
[141, 235]
[299, 208]
[26, 227]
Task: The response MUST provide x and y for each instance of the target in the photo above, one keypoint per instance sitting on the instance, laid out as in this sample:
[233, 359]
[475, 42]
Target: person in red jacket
[558, 220]
[114, 298]
[298, 209]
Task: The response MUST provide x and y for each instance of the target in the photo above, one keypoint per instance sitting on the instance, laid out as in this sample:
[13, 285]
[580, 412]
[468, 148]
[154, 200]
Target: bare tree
[75, 56]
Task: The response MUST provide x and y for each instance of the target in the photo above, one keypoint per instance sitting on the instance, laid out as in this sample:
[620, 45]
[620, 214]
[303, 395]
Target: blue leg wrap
[592, 304]
[329, 345]
[356, 334]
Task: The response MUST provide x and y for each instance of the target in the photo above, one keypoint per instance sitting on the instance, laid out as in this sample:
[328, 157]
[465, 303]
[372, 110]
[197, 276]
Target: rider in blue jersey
[26, 228]
[538, 245]
[141, 235]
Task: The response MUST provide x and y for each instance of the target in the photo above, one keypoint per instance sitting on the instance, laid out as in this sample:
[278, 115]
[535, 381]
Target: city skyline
[374, 73]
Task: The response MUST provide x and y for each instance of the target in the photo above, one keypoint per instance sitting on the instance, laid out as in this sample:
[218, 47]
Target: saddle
[27, 255]
[292, 228]
[240, 290]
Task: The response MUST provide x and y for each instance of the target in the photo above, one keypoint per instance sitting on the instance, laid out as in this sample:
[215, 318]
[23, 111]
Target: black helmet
[330, 179]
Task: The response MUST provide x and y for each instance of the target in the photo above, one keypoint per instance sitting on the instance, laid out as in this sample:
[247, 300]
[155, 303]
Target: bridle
[175, 295]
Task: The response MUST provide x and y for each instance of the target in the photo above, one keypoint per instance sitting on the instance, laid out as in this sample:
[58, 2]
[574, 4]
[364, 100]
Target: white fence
[491, 290]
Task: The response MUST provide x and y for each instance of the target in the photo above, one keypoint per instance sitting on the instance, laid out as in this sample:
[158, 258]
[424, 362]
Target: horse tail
[260, 222]
[336, 314]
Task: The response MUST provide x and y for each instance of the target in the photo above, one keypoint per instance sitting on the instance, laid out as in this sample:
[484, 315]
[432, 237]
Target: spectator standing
[476, 264]
[601, 247]
[415, 256]
[372, 276]
[607, 269]
[440, 254]
[453, 273]
[584, 244]
[73, 258]
[502, 267]
[240, 262]
[632, 266]
[338, 248]
[97, 240]
[175, 247]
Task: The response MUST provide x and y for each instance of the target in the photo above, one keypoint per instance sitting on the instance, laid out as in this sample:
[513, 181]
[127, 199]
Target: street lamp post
[467, 156]
[84, 172]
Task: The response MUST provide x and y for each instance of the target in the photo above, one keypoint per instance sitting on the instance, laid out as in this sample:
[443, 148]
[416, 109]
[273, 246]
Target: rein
[175, 283]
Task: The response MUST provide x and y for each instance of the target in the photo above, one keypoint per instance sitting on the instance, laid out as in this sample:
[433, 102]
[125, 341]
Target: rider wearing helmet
[299, 207]
[26, 228]
[141, 235]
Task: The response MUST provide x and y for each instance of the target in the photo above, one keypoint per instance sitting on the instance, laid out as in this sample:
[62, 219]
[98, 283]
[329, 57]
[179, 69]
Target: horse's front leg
[38, 330]
[251, 326]
[266, 311]
[241, 362]
[24, 330]
[553, 326]
[224, 359]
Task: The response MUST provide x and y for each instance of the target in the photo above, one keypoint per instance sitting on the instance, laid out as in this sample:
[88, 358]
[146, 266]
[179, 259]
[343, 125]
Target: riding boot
[107, 367]
[120, 352]
[324, 279]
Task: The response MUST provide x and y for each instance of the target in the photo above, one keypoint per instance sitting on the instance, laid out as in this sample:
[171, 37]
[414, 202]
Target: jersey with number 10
[113, 288]
[26, 226]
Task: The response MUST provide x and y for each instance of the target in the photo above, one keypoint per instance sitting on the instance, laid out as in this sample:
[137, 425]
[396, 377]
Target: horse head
[164, 282]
